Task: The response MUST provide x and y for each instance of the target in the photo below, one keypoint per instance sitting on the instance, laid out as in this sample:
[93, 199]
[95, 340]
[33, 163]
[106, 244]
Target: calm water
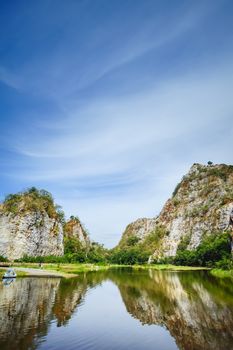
[118, 309]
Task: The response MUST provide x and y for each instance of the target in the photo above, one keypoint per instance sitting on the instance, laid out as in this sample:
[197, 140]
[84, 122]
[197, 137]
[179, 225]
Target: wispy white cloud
[111, 158]
[134, 149]
[132, 124]
[9, 78]
[65, 70]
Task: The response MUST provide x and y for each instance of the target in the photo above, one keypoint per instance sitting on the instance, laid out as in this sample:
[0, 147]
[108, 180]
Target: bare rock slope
[31, 225]
[75, 229]
[200, 205]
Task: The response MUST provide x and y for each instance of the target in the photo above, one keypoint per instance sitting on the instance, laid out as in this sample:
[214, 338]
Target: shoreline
[33, 272]
[73, 270]
[219, 273]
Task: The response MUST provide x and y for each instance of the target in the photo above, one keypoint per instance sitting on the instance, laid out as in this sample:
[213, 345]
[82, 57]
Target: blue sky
[107, 104]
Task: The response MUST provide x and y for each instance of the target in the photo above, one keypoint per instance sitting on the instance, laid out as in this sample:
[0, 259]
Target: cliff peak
[73, 228]
[30, 224]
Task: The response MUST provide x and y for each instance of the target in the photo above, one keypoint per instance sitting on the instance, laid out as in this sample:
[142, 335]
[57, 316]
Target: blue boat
[10, 273]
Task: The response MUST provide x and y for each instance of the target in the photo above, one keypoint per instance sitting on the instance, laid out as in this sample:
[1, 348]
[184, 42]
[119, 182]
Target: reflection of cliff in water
[29, 305]
[69, 295]
[25, 311]
[194, 308]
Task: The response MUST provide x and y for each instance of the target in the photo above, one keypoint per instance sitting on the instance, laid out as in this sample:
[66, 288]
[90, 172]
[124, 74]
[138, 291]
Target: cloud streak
[116, 111]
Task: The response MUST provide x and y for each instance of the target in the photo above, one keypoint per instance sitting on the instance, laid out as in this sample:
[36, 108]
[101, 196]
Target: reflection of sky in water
[107, 325]
[118, 309]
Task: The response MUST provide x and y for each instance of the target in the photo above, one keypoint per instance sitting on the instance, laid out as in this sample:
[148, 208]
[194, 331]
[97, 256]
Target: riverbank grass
[65, 269]
[75, 269]
[168, 267]
[222, 273]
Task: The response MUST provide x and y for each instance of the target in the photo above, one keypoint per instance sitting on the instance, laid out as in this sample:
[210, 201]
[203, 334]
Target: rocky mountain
[200, 206]
[30, 224]
[73, 228]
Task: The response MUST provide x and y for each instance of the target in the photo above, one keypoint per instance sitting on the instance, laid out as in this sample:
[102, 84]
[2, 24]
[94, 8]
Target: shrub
[133, 240]
[224, 264]
[42, 259]
[97, 253]
[33, 200]
[176, 189]
[129, 256]
[223, 171]
[72, 245]
[184, 242]
[212, 249]
[3, 259]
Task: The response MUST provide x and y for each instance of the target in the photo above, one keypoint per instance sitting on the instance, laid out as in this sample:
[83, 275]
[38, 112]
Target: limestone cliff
[137, 231]
[30, 224]
[74, 229]
[200, 205]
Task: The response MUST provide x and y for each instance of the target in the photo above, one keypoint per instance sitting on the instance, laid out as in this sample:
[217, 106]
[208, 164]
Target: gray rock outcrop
[30, 224]
[32, 234]
[200, 206]
[74, 229]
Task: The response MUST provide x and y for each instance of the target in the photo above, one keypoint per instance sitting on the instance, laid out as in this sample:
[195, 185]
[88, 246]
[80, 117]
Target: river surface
[118, 309]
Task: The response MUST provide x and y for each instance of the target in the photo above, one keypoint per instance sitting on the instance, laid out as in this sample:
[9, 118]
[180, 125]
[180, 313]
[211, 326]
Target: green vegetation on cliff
[32, 200]
[132, 250]
[74, 253]
[212, 250]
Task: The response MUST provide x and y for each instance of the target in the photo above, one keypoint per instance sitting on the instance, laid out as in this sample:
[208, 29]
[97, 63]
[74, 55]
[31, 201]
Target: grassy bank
[82, 267]
[222, 273]
[65, 268]
[168, 267]
[77, 268]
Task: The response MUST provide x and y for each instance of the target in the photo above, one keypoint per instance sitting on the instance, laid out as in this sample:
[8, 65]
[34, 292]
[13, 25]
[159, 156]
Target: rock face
[138, 230]
[200, 205]
[30, 225]
[32, 234]
[74, 229]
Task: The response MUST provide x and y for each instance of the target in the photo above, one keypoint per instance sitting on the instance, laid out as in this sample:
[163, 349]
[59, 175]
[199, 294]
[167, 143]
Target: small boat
[10, 273]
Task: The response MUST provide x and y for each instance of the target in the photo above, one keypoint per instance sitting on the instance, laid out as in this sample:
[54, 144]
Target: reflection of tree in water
[196, 308]
[30, 304]
[68, 297]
